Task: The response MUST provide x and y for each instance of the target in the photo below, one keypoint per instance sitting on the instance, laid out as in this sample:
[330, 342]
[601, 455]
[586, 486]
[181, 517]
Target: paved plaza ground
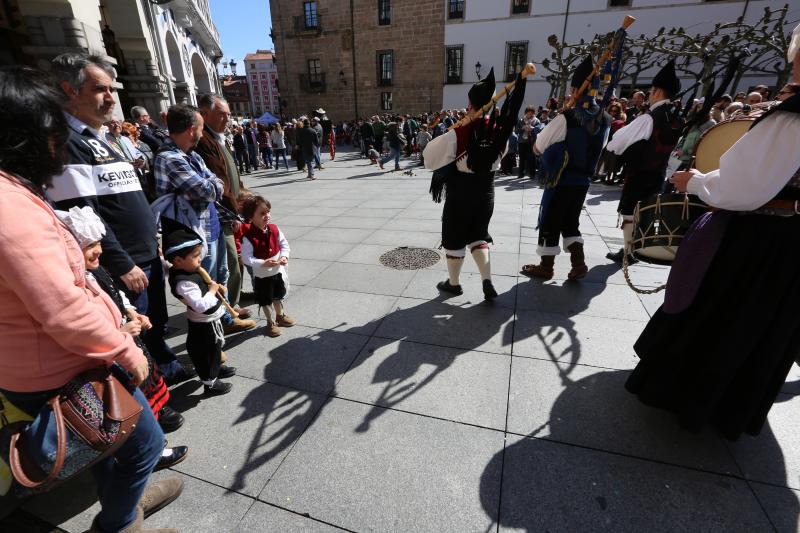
[391, 408]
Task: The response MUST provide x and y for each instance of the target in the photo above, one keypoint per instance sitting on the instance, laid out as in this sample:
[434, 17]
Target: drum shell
[659, 224]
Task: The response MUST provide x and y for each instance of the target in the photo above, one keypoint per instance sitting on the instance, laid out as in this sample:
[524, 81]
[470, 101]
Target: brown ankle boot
[578, 260]
[543, 270]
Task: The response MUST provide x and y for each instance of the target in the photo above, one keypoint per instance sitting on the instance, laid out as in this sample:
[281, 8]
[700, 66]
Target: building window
[385, 67]
[455, 9]
[455, 64]
[619, 3]
[520, 6]
[516, 57]
[314, 73]
[310, 15]
[386, 101]
[384, 13]
[252, 65]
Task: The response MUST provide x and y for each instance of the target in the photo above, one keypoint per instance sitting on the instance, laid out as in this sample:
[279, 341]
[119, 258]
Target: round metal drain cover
[409, 258]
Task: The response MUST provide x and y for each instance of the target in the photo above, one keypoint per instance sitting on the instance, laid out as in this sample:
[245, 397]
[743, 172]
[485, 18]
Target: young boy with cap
[205, 338]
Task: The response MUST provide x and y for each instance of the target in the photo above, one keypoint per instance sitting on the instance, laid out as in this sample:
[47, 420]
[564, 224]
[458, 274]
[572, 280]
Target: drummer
[646, 144]
[719, 349]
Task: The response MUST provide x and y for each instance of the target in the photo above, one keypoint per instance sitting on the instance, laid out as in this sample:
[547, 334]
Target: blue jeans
[281, 152]
[393, 153]
[153, 303]
[317, 156]
[121, 479]
[216, 264]
[252, 151]
[310, 165]
[266, 155]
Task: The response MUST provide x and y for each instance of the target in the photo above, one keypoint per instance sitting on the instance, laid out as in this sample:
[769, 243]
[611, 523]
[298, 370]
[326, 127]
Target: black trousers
[204, 349]
[526, 160]
[562, 217]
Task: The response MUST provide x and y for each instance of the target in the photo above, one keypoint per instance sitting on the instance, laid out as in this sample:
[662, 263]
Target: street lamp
[478, 70]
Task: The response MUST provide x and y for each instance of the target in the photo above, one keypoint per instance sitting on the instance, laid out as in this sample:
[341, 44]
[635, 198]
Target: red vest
[265, 244]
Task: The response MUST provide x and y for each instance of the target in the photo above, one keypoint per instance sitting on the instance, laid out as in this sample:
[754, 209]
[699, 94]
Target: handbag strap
[61, 450]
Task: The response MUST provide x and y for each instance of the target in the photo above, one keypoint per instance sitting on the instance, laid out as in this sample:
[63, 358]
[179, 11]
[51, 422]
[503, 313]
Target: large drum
[720, 137]
[659, 224]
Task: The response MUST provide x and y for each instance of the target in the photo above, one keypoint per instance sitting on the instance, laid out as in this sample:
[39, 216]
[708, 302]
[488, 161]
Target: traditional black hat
[582, 72]
[480, 93]
[177, 238]
[667, 80]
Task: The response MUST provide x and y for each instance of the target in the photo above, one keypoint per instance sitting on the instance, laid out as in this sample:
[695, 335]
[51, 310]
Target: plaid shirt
[186, 174]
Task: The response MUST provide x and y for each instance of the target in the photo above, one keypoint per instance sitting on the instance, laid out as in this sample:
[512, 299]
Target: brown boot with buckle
[578, 260]
[543, 270]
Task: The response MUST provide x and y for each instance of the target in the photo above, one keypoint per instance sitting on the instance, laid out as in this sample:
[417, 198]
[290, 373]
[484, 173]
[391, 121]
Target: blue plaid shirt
[186, 174]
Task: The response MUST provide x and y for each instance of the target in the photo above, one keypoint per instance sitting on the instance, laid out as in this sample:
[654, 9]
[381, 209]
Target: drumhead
[717, 140]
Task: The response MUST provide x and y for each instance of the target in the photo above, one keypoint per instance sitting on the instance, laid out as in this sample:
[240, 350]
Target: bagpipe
[556, 158]
[487, 138]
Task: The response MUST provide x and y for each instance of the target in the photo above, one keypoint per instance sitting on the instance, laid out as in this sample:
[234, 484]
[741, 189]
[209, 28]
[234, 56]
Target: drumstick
[207, 279]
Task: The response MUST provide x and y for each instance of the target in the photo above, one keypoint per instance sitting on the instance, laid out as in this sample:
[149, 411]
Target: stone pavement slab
[340, 310]
[371, 279]
[370, 469]
[265, 517]
[239, 440]
[588, 340]
[302, 358]
[553, 487]
[480, 327]
[590, 407]
[469, 387]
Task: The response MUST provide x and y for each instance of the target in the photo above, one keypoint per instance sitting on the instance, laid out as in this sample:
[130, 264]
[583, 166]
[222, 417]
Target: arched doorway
[176, 69]
[202, 83]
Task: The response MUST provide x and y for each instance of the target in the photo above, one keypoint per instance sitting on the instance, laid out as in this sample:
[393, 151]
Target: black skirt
[468, 209]
[723, 360]
[268, 289]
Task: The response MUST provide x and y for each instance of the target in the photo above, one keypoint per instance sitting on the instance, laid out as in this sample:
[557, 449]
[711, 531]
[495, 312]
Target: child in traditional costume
[266, 251]
[205, 338]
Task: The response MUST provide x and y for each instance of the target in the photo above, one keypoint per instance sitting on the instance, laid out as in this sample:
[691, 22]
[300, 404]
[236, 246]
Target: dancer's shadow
[574, 485]
[300, 376]
[413, 364]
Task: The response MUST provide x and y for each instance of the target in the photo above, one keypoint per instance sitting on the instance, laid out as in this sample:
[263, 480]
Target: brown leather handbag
[92, 415]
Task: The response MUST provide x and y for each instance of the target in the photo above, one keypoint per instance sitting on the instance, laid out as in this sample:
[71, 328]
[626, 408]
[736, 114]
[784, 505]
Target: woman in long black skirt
[718, 350]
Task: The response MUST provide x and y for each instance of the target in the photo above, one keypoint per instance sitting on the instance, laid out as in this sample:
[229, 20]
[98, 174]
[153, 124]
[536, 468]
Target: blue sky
[243, 27]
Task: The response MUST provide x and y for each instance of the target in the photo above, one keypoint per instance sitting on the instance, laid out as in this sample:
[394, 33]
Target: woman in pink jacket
[53, 323]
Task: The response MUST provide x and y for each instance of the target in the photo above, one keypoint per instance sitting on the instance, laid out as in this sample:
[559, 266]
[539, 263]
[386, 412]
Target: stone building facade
[262, 79]
[237, 92]
[163, 54]
[357, 58]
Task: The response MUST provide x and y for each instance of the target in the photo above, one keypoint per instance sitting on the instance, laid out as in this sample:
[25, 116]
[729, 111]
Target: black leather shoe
[167, 461]
[226, 371]
[181, 375]
[445, 286]
[217, 389]
[616, 257]
[169, 419]
[488, 290]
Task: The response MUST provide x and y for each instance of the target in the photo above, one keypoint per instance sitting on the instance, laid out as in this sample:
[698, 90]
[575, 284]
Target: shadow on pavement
[549, 486]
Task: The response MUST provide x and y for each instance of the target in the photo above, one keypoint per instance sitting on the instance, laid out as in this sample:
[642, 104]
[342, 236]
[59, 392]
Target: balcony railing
[303, 25]
[313, 83]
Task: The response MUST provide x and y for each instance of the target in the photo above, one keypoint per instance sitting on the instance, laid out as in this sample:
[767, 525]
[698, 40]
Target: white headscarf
[84, 224]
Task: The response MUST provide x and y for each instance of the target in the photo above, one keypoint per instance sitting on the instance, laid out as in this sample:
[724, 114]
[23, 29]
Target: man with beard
[97, 176]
